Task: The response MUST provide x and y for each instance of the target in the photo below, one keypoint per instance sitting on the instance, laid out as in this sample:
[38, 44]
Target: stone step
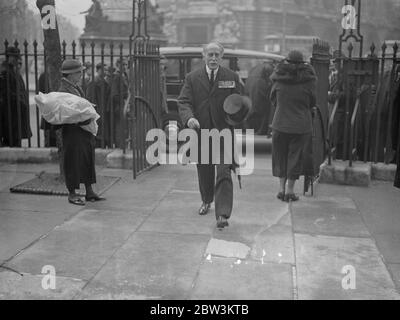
[359, 174]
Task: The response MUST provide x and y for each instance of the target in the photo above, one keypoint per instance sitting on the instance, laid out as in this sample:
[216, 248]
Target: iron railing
[359, 129]
[145, 62]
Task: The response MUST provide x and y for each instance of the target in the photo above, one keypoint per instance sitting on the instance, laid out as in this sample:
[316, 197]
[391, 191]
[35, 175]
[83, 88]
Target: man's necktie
[212, 79]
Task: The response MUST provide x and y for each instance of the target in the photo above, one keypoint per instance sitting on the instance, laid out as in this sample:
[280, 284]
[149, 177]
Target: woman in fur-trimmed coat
[293, 96]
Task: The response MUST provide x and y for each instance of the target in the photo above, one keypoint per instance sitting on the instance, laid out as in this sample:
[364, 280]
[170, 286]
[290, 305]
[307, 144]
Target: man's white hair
[216, 44]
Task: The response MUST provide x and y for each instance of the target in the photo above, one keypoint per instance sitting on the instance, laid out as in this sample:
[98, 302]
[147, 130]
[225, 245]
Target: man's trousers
[222, 188]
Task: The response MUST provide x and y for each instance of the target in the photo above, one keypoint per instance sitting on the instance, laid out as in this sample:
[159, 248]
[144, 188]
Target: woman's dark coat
[293, 96]
[78, 147]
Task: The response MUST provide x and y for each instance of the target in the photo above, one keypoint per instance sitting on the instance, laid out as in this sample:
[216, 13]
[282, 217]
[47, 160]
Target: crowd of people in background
[107, 90]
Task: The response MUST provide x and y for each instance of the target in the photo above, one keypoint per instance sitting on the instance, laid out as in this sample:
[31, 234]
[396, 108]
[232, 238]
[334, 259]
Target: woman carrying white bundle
[78, 144]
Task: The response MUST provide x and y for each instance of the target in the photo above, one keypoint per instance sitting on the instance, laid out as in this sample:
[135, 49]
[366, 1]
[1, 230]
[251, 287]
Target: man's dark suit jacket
[198, 100]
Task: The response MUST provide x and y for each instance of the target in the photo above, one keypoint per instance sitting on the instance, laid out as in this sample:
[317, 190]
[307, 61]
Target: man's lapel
[204, 79]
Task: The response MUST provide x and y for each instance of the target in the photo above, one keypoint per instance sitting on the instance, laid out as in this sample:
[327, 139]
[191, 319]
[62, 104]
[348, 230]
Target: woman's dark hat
[237, 108]
[72, 66]
[295, 56]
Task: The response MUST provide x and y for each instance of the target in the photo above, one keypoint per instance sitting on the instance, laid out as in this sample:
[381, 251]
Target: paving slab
[257, 186]
[120, 173]
[329, 190]
[33, 167]
[29, 287]
[227, 249]
[19, 229]
[238, 232]
[227, 279]
[328, 215]
[395, 272]
[188, 181]
[180, 204]
[286, 220]
[10, 179]
[192, 224]
[145, 204]
[167, 171]
[144, 188]
[151, 266]
[389, 246]
[321, 259]
[139, 195]
[379, 206]
[37, 203]
[263, 213]
[275, 244]
[80, 247]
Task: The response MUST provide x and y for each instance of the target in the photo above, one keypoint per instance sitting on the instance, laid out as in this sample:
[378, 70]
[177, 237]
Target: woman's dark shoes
[222, 222]
[205, 207]
[94, 198]
[281, 196]
[76, 200]
[291, 197]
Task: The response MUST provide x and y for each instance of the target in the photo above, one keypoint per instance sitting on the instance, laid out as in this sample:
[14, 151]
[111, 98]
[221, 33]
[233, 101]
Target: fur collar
[293, 73]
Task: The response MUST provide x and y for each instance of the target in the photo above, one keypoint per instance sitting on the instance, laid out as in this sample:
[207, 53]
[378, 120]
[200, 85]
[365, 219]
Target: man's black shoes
[222, 222]
[205, 207]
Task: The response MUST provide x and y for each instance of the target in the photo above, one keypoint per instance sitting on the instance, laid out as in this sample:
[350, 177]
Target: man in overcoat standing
[14, 102]
[201, 107]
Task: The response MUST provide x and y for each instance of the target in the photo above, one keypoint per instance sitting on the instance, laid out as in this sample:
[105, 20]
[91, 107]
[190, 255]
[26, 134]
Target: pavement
[148, 242]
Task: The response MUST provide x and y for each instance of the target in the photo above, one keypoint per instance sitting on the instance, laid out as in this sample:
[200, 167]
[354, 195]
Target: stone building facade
[115, 25]
[195, 21]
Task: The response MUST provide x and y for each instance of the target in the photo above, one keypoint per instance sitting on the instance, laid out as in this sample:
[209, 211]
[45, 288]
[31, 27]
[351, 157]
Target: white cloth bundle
[66, 108]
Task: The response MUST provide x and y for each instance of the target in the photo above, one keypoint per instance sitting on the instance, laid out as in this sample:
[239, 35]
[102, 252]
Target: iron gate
[144, 101]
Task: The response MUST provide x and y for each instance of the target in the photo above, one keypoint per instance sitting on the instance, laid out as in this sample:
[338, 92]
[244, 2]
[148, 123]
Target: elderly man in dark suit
[201, 107]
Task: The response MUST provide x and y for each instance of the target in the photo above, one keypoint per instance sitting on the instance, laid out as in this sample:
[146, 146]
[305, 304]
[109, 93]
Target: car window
[196, 63]
[172, 71]
[245, 65]
[225, 63]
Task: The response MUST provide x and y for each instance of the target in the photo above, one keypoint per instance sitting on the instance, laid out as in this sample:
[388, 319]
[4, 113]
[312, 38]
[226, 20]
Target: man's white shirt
[209, 72]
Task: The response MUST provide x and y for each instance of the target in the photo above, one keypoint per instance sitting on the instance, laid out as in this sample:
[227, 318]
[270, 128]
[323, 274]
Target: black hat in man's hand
[237, 108]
